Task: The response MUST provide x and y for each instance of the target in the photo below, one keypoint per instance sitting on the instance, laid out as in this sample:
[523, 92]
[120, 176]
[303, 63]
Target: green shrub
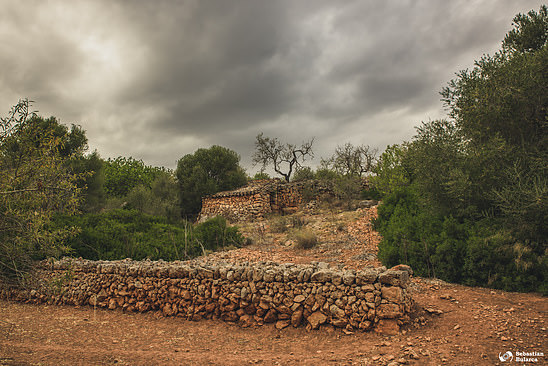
[120, 234]
[478, 253]
[303, 173]
[370, 194]
[214, 233]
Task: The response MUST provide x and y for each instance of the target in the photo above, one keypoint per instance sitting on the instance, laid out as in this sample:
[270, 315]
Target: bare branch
[283, 157]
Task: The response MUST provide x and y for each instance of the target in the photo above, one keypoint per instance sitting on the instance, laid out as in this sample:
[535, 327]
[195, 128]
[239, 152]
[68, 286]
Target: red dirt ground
[452, 324]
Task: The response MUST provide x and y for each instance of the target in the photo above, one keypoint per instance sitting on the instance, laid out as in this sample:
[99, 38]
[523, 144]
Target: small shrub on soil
[278, 224]
[305, 239]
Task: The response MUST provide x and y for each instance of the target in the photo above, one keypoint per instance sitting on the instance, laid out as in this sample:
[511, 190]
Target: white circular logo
[507, 356]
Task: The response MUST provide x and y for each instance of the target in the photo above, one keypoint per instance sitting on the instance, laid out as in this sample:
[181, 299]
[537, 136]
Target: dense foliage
[123, 174]
[119, 234]
[465, 200]
[35, 184]
[206, 172]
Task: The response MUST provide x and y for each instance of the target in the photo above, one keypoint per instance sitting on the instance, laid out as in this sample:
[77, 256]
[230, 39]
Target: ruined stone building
[263, 196]
[252, 201]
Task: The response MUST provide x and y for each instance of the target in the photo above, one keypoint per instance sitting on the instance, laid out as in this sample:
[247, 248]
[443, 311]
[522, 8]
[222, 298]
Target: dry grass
[305, 239]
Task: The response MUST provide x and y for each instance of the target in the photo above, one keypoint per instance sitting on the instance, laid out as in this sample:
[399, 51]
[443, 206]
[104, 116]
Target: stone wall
[259, 198]
[288, 196]
[236, 207]
[283, 294]
[253, 201]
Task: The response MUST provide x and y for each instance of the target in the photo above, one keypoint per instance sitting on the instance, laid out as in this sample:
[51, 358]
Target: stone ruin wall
[288, 196]
[236, 207]
[258, 199]
[283, 294]
[252, 204]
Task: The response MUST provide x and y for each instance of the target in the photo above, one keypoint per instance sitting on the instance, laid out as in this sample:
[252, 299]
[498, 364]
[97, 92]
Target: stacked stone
[236, 207]
[288, 195]
[284, 294]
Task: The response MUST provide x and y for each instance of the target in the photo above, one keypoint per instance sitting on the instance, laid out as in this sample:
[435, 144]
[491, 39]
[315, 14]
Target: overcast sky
[156, 80]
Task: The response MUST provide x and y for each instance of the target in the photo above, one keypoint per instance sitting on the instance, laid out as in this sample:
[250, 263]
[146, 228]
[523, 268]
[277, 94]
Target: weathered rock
[393, 294]
[389, 311]
[299, 298]
[348, 278]
[336, 311]
[395, 278]
[316, 319]
[281, 324]
[296, 318]
[403, 267]
[271, 316]
[322, 276]
[246, 320]
[339, 322]
[366, 276]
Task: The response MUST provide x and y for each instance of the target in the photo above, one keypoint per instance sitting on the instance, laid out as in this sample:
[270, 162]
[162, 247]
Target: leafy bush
[303, 173]
[260, 176]
[465, 200]
[206, 172]
[479, 253]
[214, 233]
[123, 174]
[119, 234]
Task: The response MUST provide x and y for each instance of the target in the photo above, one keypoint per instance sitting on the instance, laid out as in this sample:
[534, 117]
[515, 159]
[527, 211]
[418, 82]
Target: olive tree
[284, 158]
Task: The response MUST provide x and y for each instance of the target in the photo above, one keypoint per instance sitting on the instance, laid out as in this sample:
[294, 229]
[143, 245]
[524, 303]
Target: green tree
[72, 146]
[303, 173]
[392, 170]
[35, 185]
[205, 172]
[478, 181]
[123, 174]
[92, 183]
[159, 200]
[260, 175]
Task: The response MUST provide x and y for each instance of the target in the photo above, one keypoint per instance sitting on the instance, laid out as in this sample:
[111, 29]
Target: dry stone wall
[259, 198]
[283, 294]
[236, 207]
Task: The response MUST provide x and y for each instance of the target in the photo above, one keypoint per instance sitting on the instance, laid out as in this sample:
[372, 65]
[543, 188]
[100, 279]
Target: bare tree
[352, 160]
[285, 158]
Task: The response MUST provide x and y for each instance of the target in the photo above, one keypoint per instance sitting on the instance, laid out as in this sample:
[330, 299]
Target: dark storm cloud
[156, 80]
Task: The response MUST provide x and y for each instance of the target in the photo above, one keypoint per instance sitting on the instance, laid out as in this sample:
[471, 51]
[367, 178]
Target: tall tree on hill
[206, 172]
[284, 158]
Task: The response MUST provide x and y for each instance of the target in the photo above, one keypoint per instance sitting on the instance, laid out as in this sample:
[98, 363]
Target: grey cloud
[156, 80]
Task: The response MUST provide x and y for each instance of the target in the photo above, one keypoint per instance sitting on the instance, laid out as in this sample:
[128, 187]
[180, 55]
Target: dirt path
[473, 326]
